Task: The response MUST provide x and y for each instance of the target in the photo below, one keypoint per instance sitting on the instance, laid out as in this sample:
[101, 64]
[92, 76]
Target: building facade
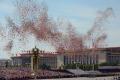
[56, 59]
[81, 58]
[113, 55]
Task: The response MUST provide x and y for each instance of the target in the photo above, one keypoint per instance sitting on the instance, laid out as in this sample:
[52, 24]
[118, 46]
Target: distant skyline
[80, 13]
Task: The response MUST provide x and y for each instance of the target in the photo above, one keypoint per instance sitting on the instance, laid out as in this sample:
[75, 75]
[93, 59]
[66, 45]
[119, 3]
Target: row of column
[82, 59]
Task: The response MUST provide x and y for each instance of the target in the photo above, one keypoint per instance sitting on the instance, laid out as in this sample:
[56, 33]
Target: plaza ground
[85, 78]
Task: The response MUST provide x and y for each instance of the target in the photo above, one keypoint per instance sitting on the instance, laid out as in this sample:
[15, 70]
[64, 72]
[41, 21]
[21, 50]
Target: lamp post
[34, 61]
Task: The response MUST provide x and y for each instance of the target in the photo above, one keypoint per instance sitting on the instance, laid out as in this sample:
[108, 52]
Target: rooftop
[45, 54]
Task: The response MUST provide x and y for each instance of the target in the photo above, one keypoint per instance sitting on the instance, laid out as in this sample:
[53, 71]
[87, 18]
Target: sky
[81, 13]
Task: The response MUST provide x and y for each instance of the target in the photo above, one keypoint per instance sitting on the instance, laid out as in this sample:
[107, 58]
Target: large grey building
[57, 59]
[113, 55]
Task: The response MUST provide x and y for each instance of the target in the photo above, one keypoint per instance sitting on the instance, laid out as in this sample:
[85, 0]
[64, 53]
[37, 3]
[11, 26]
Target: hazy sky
[80, 12]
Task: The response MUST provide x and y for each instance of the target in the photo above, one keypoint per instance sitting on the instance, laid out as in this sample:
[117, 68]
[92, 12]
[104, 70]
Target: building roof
[85, 51]
[113, 49]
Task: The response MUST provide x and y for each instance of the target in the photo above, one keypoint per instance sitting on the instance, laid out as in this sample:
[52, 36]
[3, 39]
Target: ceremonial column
[34, 60]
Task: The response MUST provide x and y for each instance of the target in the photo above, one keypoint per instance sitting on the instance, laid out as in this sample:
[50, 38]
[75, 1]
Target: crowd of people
[26, 73]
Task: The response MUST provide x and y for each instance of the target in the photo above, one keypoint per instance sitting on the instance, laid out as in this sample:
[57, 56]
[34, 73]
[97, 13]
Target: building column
[60, 61]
